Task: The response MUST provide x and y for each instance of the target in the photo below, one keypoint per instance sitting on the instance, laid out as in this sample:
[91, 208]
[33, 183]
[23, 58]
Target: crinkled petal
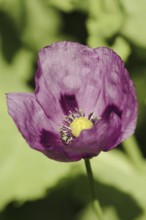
[67, 69]
[39, 131]
[29, 117]
[54, 149]
[71, 75]
[85, 78]
[103, 136]
[117, 89]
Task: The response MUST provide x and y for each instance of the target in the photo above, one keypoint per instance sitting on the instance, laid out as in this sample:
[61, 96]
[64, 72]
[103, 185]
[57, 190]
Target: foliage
[32, 185]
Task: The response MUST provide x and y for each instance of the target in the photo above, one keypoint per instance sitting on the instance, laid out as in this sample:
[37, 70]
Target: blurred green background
[33, 186]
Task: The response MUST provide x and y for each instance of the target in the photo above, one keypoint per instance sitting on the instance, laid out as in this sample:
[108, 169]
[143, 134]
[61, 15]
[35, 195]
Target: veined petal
[38, 130]
[29, 117]
[54, 149]
[67, 69]
[103, 136]
[117, 89]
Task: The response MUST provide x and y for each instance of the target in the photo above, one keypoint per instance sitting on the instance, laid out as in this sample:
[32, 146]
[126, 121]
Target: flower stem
[95, 203]
[133, 150]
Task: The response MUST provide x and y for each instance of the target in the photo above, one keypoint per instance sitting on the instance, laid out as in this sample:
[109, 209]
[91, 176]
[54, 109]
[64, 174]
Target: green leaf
[69, 5]
[134, 23]
[139, 77]
[104, 21]
[115, 169]
[65, 5]
[99, 26]
[122, 48]
[103, 25]
[42, 25]
[15, 10]
[88, 213]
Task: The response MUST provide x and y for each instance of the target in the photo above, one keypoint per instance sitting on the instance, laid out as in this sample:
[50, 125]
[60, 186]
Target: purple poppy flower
[84, 103]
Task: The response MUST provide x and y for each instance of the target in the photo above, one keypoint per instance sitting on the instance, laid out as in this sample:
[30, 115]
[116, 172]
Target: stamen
[90, 115]
[80, 124]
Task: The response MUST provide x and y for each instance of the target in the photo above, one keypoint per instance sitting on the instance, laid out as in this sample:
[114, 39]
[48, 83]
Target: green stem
[95, 202]
[133, 151]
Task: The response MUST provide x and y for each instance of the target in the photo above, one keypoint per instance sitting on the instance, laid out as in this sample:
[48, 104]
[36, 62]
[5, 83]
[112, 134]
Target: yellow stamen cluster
[80, 124]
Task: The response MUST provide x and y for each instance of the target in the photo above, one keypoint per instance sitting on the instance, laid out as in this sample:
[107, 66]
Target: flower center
[75, 123]
[80, 124]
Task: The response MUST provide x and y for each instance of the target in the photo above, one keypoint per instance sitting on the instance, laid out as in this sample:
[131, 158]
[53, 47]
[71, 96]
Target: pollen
[80, 124]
